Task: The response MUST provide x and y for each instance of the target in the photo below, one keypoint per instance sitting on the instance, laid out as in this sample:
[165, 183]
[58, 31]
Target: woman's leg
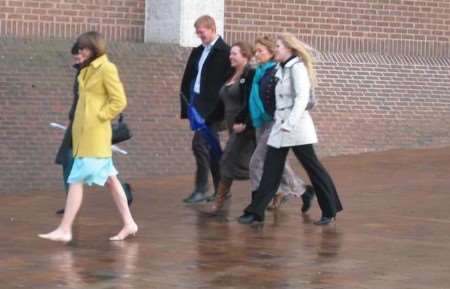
[256, 164]
[290, 184]
[294, 185]
[66, 168]
[63, 232]
[118, 194]
[270, 181]
[323, 184]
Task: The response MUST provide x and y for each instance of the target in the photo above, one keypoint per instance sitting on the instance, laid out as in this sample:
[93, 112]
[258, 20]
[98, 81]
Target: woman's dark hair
[246, 49]
[75, 48]
[93, 41]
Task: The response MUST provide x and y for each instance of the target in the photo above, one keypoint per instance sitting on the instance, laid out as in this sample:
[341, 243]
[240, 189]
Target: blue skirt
[91, 171]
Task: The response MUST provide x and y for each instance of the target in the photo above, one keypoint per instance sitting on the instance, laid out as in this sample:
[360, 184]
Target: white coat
[293, 123]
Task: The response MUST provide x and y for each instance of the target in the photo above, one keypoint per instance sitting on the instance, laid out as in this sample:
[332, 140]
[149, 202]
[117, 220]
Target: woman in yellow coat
[101, 99]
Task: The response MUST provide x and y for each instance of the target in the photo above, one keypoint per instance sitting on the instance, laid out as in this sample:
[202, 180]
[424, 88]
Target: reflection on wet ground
[392, 234]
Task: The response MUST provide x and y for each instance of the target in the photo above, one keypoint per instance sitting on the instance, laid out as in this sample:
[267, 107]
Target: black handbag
[120, 131]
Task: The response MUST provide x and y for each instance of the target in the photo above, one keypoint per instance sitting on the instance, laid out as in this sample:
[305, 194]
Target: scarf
[256, 106]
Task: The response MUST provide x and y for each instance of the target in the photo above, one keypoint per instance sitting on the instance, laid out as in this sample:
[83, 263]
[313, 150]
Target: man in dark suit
[206, 71]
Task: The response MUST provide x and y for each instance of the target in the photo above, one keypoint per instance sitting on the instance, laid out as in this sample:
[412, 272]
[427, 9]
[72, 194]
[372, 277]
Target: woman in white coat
[294, 129]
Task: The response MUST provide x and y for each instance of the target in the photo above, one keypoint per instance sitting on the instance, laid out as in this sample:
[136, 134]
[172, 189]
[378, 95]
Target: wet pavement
[394, 233]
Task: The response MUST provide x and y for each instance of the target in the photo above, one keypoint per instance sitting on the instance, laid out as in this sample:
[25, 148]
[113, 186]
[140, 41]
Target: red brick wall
[35, 89]
[117, 19]
[366, 103]
[380, 26]
[374, 103]
[383, 69]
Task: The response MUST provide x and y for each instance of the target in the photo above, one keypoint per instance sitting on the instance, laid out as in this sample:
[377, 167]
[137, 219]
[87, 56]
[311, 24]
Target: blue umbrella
[197, 123]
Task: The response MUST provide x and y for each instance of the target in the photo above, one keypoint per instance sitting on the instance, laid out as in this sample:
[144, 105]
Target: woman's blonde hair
[268, 42]
[300, 49]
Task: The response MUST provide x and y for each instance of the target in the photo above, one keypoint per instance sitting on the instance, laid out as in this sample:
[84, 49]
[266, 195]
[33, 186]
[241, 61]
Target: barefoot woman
[101, 99]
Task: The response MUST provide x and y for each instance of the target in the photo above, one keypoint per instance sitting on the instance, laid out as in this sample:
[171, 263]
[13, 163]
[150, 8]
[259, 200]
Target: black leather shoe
[60, 212]
[325, 221]
[248, 218]
[196, 197]
[307, 197]
[128, 192]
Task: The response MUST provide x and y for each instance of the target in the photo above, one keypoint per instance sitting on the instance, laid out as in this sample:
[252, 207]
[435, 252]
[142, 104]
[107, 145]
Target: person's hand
[239, 127]
[285, 128]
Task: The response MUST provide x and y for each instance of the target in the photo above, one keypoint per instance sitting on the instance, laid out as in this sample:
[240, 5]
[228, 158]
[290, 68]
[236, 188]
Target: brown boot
[222, 191]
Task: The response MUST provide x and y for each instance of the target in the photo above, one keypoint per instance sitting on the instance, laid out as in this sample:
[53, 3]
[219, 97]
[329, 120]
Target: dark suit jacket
[215, 72]
[66, 143]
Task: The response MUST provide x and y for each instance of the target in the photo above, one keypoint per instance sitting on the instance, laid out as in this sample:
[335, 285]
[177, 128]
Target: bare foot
[213, 209]
[277, 201]
[57, 236]
[125, 233]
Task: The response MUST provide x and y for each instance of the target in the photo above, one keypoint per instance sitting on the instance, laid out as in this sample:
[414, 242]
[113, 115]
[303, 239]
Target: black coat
[66, 144]
[245, 87]
[215, 72]
[267, 90]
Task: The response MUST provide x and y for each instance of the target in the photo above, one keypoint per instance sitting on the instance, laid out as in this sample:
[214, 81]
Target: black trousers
[273, 169]
[205, 161]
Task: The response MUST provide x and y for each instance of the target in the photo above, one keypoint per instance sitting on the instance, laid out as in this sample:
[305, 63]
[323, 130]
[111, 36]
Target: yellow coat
[101, 99]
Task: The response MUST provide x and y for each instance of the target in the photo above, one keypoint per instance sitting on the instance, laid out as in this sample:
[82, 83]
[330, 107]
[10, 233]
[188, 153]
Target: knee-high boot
[223, 190]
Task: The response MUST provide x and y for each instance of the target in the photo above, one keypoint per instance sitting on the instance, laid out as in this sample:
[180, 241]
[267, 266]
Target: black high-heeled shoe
[307, 198]
[325, 221]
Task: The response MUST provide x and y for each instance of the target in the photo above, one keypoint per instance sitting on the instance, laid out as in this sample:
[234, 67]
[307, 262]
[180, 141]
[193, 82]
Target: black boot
[324, 221]
[196, 197]
[307, 197]
[128, 192]
[249, 218]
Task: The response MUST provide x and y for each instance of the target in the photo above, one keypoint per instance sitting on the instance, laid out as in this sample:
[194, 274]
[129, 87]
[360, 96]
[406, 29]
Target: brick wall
[374, 103]
[35, 89]
[383, 69]
[364, 26]
[117, 19]
[365, 104]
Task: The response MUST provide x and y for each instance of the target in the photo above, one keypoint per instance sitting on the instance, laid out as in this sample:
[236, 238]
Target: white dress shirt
[205, 53]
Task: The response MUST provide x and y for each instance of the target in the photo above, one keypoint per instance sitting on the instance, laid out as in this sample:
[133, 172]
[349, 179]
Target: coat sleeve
[185, 84]
[73, 107]
[117, 101]
[245, 89]
[301, 86]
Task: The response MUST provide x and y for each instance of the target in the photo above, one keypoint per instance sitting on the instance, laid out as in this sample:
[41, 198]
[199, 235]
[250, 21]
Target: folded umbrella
[115, 148]
[197, 123]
